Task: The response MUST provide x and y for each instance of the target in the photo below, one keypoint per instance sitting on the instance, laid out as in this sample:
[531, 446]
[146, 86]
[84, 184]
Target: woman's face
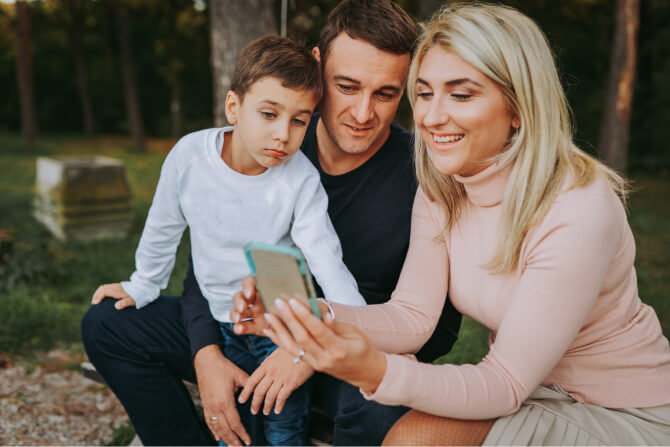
[461, 114]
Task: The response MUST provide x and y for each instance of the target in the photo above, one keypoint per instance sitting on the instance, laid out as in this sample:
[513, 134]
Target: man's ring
[212, 418]
[301, 354]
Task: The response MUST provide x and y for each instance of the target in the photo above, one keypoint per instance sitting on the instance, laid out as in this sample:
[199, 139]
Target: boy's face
[270, 124]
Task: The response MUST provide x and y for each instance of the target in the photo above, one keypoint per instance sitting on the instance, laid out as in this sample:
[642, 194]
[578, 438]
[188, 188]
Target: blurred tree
[24, 71]
[233, 24]
[615, 128]
[133, 110]
[73, 15]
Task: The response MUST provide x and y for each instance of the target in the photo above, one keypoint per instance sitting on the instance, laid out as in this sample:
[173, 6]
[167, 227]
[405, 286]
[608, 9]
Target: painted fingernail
[280, 304]
[294, 303]
[267, 318]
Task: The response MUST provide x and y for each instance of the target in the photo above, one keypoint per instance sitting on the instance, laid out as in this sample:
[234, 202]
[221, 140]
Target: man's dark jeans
[144, 355]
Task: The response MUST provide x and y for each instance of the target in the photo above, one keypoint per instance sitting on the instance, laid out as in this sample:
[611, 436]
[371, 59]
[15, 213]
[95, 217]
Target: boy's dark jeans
[144, 355]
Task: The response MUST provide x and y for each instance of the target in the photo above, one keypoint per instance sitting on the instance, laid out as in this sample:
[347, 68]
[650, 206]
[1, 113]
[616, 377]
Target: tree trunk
[615, 126]
[75, 34]
[24, 72]
[233, 24]
[128, 72]
[175, 99]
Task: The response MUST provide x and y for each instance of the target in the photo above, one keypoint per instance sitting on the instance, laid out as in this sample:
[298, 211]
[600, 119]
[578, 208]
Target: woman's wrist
[376, 372]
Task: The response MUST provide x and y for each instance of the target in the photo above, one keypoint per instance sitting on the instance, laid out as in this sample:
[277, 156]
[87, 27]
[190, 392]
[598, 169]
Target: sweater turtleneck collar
[486, 188]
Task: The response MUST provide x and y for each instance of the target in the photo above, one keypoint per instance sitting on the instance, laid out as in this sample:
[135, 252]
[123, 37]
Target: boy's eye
[268, 115]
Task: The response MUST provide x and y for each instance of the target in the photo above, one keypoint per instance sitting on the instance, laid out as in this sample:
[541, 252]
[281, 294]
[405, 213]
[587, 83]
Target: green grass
[46, 285]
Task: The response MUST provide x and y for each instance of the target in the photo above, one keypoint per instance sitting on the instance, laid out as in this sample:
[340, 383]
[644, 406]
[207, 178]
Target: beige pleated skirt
[551, 417]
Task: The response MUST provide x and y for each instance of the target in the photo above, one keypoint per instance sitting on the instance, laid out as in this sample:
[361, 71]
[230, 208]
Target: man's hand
[218, 379]
[274, 381]
[113, 291]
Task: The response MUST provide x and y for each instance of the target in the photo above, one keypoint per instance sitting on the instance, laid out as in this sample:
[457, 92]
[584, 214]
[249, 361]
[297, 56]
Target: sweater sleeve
[313, 232]
[565, 262]
[407, 320]
[162, 232]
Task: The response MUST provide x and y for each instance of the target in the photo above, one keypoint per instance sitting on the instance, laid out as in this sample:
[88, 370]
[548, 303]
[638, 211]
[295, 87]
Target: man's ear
[232, 106]
[317, 54]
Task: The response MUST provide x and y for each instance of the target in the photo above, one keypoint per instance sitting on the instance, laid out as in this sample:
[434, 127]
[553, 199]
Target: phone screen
[281, 271]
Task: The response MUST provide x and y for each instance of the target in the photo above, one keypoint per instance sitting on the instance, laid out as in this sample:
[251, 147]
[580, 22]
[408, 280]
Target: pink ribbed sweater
[569, 314]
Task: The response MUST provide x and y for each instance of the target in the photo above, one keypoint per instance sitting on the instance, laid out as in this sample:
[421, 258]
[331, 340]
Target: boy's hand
[218, 379]
[113, 291]
[247, 311]
[274, 381]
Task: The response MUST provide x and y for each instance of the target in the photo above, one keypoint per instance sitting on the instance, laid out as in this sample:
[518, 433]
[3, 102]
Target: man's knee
[91, 324]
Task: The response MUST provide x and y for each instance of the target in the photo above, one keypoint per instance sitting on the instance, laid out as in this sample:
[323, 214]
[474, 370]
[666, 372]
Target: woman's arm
[566, 261]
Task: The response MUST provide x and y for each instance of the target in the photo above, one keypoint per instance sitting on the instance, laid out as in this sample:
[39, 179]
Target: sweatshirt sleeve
[564, 264]
[162, 232]
[405, 322]
[313, 232]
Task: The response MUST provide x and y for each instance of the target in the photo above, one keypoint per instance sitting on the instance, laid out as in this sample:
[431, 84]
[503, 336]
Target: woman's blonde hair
[509, 48]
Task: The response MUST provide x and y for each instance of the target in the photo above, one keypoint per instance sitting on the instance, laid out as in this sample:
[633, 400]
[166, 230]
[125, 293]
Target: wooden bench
[320, 429]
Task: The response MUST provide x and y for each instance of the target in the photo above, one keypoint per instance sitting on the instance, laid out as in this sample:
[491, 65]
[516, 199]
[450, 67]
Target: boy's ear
[317, 54]
[232, 105]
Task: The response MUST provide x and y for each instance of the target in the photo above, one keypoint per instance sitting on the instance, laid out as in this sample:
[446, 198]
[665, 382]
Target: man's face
[363, 87]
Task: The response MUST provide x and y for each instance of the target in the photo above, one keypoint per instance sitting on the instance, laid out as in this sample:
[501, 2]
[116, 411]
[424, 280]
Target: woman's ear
[516, 122]
[317, 54]
[232, 106]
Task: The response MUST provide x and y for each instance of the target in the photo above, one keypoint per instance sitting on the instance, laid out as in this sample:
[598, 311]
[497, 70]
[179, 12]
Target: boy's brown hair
[382, 23]
[278, 57]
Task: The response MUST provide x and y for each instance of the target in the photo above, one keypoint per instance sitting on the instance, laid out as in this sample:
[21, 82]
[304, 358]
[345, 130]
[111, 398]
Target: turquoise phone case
[295, 254]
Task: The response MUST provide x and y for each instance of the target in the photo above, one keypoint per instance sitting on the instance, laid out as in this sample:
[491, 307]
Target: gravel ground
[53, 405]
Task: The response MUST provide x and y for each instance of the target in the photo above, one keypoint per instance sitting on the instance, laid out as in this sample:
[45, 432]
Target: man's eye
[346, 88]
[385, 96]
[269, 115]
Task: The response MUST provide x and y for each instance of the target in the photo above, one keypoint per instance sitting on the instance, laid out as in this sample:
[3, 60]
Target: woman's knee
[419, 428]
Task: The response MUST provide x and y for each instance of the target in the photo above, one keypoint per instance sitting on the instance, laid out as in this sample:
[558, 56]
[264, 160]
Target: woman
[529, 235]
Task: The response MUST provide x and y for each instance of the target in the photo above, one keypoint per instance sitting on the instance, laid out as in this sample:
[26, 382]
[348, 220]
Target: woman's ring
[301, 354]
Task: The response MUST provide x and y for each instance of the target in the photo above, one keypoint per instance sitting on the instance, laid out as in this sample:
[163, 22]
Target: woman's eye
[268, 115]
[425, 95]
[299, 122]
[460, 97]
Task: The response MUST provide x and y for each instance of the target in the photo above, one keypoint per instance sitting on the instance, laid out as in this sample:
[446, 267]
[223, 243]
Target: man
[365, 164]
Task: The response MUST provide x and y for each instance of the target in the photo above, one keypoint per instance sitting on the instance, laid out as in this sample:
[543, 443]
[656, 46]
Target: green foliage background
[45, 285]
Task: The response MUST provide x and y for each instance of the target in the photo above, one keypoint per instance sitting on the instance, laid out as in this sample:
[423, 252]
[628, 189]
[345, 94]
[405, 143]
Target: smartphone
[280, 270]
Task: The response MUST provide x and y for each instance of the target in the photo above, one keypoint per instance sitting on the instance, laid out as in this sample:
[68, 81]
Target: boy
[234, 185]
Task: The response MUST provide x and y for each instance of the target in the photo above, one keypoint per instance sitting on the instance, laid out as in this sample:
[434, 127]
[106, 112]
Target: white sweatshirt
[225, 210]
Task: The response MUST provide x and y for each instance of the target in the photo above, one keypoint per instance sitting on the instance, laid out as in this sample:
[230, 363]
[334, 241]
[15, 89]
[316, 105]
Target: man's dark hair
[279, 57]
[382, 23]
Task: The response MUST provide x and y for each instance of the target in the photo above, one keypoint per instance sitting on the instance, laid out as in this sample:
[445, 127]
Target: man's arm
[201, 327]
[218, 378]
